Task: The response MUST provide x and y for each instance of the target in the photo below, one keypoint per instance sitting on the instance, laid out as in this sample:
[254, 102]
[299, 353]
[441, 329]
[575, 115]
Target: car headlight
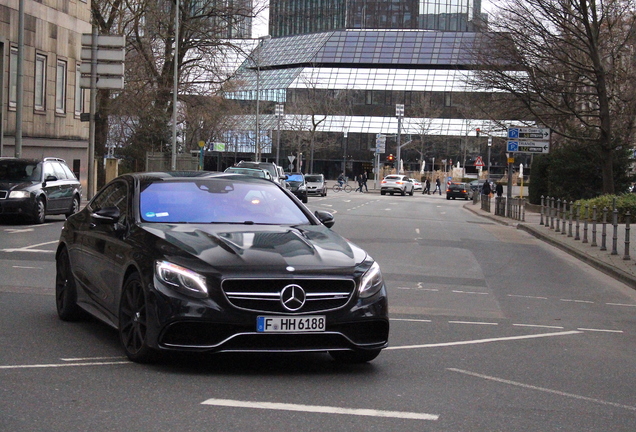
[302, 187]
[19, 194]
[181, 279]
[371, 282]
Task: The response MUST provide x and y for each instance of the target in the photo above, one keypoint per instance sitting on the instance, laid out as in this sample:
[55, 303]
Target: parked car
[457, 190]
[316, 184]
[417, 185]
[254, 172]
[270, 167]
[396, 183]
[297, 185]
[35, 188]
[215, 262]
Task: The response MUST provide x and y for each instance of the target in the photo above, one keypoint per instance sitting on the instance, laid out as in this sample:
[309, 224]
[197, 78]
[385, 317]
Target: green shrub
[624, 203]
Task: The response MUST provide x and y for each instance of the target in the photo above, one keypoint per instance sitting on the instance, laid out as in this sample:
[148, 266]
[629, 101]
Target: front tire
[133, 321]
[65, 289]
[74, 207]
[39, 214]
[354, 357]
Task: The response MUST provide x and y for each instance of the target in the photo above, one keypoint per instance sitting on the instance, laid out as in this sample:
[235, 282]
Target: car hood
[253, 248]
[9, 185]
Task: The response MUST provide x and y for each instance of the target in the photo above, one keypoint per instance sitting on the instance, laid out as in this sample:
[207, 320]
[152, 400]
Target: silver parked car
[316, 184]
[396, 183]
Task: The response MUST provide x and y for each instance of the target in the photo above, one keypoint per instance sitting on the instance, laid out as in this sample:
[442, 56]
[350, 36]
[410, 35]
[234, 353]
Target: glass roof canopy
[395, 60]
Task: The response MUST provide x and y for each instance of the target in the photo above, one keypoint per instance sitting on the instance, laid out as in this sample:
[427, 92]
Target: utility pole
[399, 112]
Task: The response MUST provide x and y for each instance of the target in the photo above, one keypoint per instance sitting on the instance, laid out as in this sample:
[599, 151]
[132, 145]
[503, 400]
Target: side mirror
[106, 216]
[325, 217]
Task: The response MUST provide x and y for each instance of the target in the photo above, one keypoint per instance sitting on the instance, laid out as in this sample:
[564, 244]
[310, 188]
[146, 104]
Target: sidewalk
[616, 266]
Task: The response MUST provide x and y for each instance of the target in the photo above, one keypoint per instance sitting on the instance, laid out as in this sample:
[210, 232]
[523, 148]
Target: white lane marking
[600, 330]
[538, 326]
[576, 301]
[18, 230]
[480, 341]
[620, 304]
[543, 389]
[57, 365]
[469, 292]
[417, 230]
[411, 320]
[473, 322]
[530, 297]
[28, 248]
[91, 358]
[319, 409]
[28, 268]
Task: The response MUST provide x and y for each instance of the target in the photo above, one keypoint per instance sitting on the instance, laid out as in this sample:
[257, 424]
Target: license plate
[300, 324]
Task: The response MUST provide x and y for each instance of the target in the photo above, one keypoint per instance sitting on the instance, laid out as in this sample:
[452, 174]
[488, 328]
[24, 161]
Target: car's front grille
[3, 194]
[264, 295]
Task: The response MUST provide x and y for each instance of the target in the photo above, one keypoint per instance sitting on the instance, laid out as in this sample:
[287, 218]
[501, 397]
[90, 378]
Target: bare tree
[571, 64]
[206, 29]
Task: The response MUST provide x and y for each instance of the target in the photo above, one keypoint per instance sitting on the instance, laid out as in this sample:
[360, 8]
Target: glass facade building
[293, 17]
[363, 74]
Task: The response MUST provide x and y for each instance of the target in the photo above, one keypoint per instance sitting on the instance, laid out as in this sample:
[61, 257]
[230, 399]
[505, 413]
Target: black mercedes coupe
[216, 262]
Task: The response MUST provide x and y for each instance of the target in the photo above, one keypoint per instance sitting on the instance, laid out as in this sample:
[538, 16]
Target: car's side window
[114, 195]
[59, 171]
[68, 172]
[48, 170]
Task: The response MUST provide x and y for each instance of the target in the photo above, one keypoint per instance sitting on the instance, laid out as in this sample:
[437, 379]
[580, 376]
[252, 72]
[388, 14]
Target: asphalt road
[491, 330]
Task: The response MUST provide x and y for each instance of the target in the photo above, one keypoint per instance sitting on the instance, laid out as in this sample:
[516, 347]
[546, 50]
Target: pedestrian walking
[438, 187]
[427, 187]
[499, 190]
[364, 182]
[485, 189]
[360, 183]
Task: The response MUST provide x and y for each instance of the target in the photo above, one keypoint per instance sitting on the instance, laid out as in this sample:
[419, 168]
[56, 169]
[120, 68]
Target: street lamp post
[489, 146]
[399, 112]
[344, 156]
[279, 114]
[257, 137]
[175, 87]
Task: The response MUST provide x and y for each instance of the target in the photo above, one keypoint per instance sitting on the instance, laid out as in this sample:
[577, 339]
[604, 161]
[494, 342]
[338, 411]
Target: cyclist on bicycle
[341, 179]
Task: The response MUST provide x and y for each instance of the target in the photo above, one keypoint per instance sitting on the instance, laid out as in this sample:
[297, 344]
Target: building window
[368, 97]
[448, 101]
[79, 92]
[40, 83]
[13, 78]
[60, 87]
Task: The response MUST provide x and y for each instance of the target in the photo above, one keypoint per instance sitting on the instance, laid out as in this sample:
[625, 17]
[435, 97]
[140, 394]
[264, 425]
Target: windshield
[313, 179]
[218, 201]
[14, 171]
[246, 171]
[294, 177]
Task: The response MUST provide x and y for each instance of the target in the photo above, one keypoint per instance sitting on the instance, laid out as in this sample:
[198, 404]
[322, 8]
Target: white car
[396, 183]
[417, 185]
[316, 184]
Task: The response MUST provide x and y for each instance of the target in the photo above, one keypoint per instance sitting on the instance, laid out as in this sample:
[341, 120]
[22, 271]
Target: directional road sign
[542, 134]
[529, 146]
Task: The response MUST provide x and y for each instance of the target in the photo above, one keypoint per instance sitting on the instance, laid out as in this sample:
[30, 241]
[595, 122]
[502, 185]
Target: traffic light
[390, 158]
[477, 132]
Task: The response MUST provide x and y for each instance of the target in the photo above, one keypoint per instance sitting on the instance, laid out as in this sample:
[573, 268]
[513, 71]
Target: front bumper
[19, 207]
[213, 325]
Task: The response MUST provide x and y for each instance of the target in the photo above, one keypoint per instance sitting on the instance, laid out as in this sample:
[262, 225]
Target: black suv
[297, 185]
[36, 188]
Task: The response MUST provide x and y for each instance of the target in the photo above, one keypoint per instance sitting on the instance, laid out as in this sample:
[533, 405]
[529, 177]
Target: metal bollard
[578, 220]
[586, 217]
[558, 216]
[593, 226]
[615, 230]
[570, 223]
[552, 213]
[627, 216]
[542, 209]
[604, 233]
[564, 215]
